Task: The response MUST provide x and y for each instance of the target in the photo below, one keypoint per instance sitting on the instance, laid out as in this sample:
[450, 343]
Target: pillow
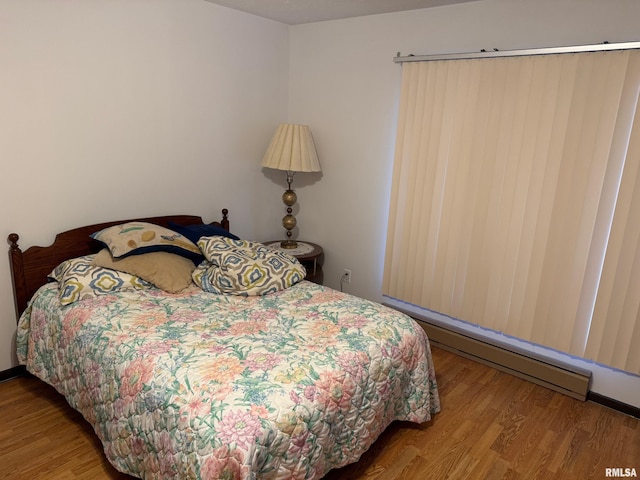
[134, 238]
[78, 278]
[167, 271]
[195, 232]
[241, 267]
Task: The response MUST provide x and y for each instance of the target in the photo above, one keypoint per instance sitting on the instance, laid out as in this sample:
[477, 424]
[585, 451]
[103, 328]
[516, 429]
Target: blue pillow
[194, 232]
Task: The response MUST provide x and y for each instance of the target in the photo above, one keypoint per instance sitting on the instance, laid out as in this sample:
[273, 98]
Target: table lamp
[292, 150]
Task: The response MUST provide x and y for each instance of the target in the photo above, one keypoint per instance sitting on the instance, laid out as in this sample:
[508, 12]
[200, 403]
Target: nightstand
[308, 254]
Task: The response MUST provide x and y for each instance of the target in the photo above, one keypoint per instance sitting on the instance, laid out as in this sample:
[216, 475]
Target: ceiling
[294, 12]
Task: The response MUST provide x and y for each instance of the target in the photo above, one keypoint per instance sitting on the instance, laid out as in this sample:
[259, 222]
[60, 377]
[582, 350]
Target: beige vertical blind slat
[500, 168]
[614, 334]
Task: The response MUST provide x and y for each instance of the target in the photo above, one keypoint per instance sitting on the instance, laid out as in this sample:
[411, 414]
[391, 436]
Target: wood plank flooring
[492, 426]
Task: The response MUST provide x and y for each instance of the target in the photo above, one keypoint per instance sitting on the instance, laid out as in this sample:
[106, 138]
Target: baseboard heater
[550, 373]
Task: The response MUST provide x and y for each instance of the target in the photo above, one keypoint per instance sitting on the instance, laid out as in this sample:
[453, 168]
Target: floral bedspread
[198, 385]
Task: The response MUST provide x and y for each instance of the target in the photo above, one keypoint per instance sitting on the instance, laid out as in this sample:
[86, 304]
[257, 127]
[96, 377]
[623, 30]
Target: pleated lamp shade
[292, 149]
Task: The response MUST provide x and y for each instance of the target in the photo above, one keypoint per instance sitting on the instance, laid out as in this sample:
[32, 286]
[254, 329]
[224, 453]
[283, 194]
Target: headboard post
[17, 273]
[225, 220]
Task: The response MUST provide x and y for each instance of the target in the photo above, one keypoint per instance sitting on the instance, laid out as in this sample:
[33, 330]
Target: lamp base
[289, 198]
[288, 243]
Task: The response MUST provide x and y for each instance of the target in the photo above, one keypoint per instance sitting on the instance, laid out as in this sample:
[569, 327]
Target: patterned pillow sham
[242, 267]
[134, 238]
[78, 278]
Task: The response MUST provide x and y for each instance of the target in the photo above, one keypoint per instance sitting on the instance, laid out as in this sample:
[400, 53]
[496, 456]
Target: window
[514, 199]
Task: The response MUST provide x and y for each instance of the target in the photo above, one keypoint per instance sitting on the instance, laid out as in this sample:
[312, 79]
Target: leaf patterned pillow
[133, 238]
[78, 278]
[242, 267]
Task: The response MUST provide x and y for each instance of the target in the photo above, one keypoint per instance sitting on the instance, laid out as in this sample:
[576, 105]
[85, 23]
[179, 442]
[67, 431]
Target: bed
[287, 384]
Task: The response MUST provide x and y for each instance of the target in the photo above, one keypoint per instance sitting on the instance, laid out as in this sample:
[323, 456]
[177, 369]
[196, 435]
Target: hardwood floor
[492, 426]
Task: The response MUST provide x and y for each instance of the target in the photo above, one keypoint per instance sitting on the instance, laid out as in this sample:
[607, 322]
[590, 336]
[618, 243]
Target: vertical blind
[515, 198]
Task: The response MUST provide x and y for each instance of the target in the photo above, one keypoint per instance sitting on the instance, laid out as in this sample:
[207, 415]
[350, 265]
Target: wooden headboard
[30, 269]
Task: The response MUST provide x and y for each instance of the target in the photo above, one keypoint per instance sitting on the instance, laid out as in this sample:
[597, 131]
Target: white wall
[112, 109]
[344, 84]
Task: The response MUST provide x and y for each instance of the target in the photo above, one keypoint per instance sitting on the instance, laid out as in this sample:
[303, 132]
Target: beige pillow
[167, 271]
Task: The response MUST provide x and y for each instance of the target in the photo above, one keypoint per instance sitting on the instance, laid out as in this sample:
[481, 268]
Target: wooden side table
[310, 255]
